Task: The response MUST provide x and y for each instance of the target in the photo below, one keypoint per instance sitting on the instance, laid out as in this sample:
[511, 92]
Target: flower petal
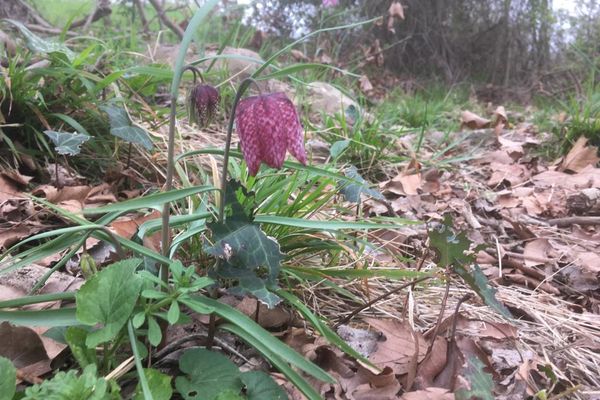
[290, 123]
[247, 127]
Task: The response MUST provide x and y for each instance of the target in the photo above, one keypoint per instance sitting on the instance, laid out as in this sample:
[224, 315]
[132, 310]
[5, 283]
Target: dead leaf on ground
[8, 189]
[473, 121]
[586, 178]
[267, 318]
[431, 393]
[398, 348]
[403, 184]
[23, 346]
[365, 84]
[580, 156]
[535, 250]
[396, 12]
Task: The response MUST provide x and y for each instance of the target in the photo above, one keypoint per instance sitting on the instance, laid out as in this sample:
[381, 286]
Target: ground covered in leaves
[533, 222]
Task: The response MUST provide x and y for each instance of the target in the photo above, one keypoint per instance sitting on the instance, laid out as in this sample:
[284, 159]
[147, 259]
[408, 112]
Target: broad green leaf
[254, 331]
[452, 250]
[108, 299]
[260, 386]
[158, 383]
[337, 148]
[207, 374]
[482, 385]
[352, 191]
[8, 378]
[46, 318]
[250, 257]
[39, 45]
[121, 126]
[67, 143]
[75, 337]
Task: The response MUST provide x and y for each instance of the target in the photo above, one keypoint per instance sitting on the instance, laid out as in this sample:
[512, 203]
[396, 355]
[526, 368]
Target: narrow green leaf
[108, 298]
[138, 363]
[331, 225]
[351, 273]
[47, 318]
[154, 201]
[271, 354]
[255, 331]
[40, 298]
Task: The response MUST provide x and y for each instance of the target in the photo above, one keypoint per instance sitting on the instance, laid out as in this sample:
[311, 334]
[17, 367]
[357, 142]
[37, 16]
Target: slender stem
[165, 239]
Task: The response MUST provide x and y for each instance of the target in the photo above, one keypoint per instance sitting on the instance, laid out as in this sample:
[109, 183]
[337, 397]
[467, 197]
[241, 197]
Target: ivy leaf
[207, 375]
[8, 378]
[352, 191]
[39, 45]
[337, 148]
[159, 383]
[121, 126]
[67, 143]
[481, 382]
[261, 386]
[249, 255]
[452, 250]
[108, 298]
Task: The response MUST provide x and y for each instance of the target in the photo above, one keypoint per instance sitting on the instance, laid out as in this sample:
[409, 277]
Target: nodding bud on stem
[203, 101]
[268, 126]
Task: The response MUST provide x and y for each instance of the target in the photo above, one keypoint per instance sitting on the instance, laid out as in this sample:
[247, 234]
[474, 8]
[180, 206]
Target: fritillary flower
[268, 126]
[203, 101]
[330, 3]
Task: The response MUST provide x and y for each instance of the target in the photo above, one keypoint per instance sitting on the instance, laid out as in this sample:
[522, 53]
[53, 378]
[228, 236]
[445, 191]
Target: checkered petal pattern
[203, 101]
[268, 126]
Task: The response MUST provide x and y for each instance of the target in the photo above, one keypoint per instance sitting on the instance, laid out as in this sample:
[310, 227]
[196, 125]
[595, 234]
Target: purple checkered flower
[269, 126]
[203, 101]
[330, 3]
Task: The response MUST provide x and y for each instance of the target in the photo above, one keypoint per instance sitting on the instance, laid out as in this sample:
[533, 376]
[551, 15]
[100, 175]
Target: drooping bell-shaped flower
[203, 101]
[268, 126]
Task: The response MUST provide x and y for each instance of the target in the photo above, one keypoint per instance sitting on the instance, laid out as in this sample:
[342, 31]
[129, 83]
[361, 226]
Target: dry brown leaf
[585, 178]
[17, 177]
[536, 249]
[580, 156]
[21, 345]
[365, 84]
[267, 318]
[12, 235]
[398, 348]
[299, 56]
[473, 121]
[8, 189]
[588, 260]
[431, 393]
[514, 174]
[396, 12]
